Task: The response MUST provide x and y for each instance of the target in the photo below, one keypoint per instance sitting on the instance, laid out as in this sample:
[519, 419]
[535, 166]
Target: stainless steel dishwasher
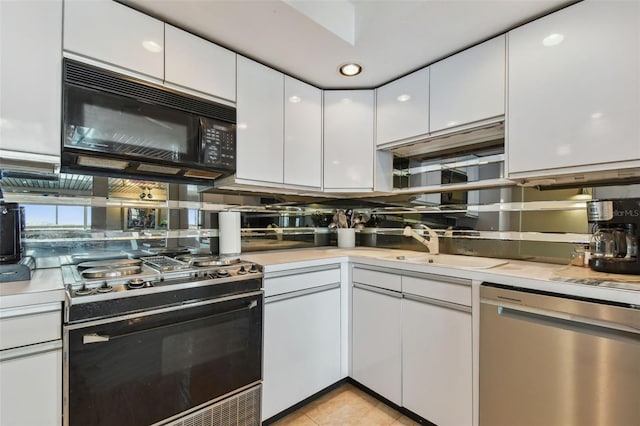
[548, 359]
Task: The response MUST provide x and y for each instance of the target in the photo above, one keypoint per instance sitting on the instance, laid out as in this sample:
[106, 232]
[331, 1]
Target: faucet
[431, 243]
[277, 230]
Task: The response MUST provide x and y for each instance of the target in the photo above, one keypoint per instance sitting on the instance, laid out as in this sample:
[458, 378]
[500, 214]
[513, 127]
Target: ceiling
[310, 39]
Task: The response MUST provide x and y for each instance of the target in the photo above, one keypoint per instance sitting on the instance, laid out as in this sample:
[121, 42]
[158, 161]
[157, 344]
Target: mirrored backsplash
[71, 213]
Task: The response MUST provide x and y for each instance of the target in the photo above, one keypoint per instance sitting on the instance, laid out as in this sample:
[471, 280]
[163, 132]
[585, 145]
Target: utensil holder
[346, 237]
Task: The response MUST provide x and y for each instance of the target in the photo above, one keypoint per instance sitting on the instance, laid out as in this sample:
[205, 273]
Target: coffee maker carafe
[614, 243]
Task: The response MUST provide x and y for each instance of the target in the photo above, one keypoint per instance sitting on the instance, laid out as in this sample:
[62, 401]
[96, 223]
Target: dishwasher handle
[583, 326]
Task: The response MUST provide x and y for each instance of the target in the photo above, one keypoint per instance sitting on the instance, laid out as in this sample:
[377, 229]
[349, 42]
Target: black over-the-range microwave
[118, 126]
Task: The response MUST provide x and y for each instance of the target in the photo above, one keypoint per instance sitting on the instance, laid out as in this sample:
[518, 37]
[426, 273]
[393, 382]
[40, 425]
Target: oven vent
[242, 409]
[107, 81]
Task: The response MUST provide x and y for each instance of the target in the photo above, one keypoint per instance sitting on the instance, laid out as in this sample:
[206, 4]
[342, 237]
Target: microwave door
[127, 128]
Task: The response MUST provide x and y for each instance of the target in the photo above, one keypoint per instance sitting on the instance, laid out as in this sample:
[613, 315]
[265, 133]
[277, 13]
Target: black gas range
[161, 340]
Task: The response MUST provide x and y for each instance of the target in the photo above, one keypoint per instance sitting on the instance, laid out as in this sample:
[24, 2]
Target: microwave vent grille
[95, 78]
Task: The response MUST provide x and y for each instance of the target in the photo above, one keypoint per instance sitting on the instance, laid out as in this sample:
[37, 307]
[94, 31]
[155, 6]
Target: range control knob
[105, 288]
[242, 271]
[83, 291]
[253, 268]
[222, 273]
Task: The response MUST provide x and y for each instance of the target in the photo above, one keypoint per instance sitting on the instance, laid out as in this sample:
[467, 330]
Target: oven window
[98, 121]
[157, 366]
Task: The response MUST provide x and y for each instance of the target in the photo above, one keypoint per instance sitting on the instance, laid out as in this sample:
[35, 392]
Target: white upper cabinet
[402, 108]
[468, 87]
[260, 114]
[302, 134]
[197, 64]
[114, 34]
[574, 90]
[348, 140]
[30, 78]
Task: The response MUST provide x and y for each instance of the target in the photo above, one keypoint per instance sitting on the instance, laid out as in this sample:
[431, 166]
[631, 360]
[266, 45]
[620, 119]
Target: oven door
[144, 368]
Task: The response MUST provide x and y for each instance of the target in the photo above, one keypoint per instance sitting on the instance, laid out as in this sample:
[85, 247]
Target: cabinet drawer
[29, 325]
[301, 279]
[449, 291]
[377, 279]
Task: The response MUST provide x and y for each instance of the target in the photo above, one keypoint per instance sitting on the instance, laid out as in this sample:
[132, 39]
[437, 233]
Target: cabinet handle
[25, 351]
[299, 293]
[372, 289]
[436, 302]
[23, 311]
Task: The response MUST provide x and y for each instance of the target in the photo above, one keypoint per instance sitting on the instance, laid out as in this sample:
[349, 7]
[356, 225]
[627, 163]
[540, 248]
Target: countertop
[46, 284]
[530, 275]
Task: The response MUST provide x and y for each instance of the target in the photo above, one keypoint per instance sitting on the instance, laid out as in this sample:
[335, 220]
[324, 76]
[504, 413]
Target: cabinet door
[376, 346]
[31, 389]
[301, 348]
[260, 109]
[30, 44]
[574, 89]
[302, 134]
[198, 64]
[402, 108]
[469, 86]
[115, 34]
[348, 140]
[437, 363]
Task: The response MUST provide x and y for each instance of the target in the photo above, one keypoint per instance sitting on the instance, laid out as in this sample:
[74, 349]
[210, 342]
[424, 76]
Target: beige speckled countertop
[46, 284]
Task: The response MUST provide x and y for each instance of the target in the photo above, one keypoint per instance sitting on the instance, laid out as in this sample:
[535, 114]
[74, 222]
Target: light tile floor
[346, 406]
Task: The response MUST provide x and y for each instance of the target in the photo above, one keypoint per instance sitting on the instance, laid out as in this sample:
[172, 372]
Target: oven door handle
[94, 338]
[97, 338]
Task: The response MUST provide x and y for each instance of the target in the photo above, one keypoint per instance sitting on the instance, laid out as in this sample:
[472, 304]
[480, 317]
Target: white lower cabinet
[31, 387]
[412, 342]
[437, 360]
[31, 365]
[376, 346]
[302, 337]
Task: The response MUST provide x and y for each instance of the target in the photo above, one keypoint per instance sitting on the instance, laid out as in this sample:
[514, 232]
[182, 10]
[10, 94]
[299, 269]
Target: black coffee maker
[615, 226]
[11, 228]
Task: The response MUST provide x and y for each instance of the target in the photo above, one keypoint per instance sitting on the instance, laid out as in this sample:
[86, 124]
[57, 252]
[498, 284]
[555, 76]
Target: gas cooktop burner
[111, 272]
[109, 263]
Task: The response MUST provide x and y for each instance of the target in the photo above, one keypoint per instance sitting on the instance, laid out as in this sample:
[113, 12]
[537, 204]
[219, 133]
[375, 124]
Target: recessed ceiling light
[349, 70]
[552, 39]
[403, 98]
[152, 46]
[294, 99]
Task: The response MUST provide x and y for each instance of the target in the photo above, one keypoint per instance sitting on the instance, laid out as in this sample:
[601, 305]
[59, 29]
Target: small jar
[577, 256]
